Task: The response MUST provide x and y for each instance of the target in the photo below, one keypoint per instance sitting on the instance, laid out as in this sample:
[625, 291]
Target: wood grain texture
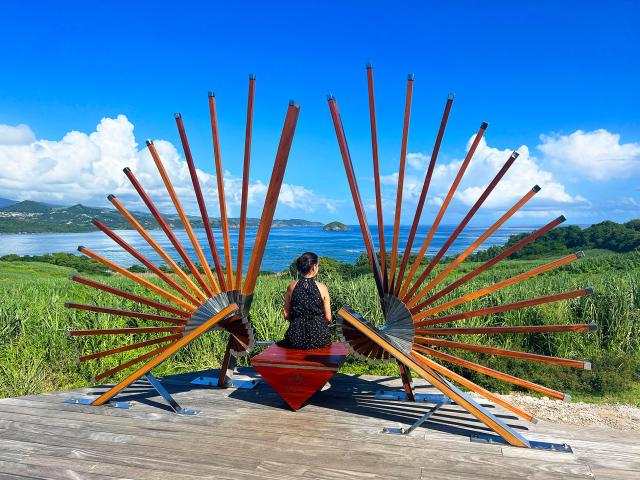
[490, 263]
[129, 296]
[505, 377]
[202, 206]
[244, 200]
[423, 193]
[222, 201]
[271, 199]
[443, 208]
[156, 246]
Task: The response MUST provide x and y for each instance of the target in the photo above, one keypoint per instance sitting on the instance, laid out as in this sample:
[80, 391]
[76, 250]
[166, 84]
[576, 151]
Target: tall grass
[36, 355]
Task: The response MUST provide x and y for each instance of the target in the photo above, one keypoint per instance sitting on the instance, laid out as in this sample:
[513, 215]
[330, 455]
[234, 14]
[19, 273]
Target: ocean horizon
[284, 244]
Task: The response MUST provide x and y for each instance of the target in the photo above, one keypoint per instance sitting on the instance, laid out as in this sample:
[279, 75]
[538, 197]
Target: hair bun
[306, 261]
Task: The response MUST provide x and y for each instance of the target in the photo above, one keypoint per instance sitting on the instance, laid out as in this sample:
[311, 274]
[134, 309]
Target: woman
[307, 307]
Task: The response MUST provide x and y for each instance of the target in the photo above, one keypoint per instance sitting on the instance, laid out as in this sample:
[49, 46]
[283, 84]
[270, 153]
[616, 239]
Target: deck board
[251, 434]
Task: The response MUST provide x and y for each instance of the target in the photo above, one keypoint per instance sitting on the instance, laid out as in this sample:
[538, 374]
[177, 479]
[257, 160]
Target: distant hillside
[36, 217]
[5, 202]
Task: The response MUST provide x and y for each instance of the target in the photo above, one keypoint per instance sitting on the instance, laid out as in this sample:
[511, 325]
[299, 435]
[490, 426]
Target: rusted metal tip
[587, 365]
[566, 398]
[515, 154]
[93, 380]
[66, 304]
[535, 420]
[211, 93]
[589, 290]
[252, 76]
[177, 115]
[293, 103]
[149, 142]
[411, 77]
[593, 326]
[80, 248]
[111, 196]
[562, 218]
[68, 333]
[484, 125]
[126, 170]
[73, 277]
[95, 221]
[536, 188]
[369, 65]
[451, 96]
[330, 97]
[580, 254]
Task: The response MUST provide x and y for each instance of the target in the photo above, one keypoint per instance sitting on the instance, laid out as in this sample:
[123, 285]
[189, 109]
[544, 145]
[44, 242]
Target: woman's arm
[287, 299]
[326, 300]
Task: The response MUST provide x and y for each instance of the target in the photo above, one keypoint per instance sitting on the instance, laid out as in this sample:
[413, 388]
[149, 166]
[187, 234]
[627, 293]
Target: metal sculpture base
[88, 401]
[420, 421]
[155, 383]
[400, 395]
[536, 445]
[228, 377]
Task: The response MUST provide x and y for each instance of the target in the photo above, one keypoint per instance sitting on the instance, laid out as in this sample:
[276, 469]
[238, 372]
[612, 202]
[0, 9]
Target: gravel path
[612, 415]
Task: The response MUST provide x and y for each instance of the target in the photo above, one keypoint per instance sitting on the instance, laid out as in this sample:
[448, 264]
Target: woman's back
[306, 299]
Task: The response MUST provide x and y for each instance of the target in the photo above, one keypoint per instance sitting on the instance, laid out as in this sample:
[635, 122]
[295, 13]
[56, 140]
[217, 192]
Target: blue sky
[556, 80]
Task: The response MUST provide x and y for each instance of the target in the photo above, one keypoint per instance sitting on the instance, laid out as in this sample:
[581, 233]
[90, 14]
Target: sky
[84, 84]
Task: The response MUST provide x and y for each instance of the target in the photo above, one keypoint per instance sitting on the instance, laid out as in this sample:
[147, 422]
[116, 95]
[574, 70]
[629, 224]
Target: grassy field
[36, 355]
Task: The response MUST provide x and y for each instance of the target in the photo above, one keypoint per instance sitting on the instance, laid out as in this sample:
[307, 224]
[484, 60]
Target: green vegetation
[37, 356]
[336, 227]
[35, 217]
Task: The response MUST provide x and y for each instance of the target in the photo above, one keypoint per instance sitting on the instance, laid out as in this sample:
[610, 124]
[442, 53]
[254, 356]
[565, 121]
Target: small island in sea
[335, 227]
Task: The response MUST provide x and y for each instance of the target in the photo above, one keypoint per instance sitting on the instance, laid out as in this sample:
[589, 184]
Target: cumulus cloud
[81, 168]
[597, 155]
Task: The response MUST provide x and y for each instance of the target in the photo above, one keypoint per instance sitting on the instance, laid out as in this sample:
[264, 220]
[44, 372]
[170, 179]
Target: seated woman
[307, 307]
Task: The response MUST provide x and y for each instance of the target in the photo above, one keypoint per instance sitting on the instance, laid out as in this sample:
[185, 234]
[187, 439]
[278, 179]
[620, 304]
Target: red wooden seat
[297, 374]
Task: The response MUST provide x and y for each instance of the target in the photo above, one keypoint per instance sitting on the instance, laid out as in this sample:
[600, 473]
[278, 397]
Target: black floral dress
[308, 328]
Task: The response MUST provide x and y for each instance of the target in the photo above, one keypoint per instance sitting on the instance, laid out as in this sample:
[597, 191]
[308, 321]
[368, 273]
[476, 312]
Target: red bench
[297, 374]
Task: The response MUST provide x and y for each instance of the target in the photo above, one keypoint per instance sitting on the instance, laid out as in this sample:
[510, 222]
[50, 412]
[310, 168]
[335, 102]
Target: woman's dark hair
[306, 261]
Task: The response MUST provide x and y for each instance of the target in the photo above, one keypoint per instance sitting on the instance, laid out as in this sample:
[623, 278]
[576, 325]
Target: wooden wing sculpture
[196, 296]
[414, 302]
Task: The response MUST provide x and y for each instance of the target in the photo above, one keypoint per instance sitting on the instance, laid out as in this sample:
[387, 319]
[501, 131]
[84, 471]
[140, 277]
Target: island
[335, 227]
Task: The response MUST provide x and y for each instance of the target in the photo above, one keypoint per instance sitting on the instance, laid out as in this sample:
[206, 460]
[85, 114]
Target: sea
[283, 246]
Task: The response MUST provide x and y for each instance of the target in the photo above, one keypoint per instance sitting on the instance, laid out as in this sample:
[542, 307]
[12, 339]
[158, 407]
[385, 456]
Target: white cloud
[597, 155]
[83, 168]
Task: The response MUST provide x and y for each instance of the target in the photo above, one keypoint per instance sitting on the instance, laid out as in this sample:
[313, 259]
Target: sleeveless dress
[308, 329]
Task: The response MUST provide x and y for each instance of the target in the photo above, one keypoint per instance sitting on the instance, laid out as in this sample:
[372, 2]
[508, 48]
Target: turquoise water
[285, 243]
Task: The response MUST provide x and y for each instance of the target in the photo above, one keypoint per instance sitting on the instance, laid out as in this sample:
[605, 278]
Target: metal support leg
[405, 376]
[420, 421]
[400, 395]
[167, 396]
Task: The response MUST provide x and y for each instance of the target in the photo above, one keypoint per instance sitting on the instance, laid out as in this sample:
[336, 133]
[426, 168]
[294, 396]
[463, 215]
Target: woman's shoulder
[292, 285]
[322, 287]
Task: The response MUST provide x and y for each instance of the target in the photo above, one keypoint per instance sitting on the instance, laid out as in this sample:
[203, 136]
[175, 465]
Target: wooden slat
[426, 362]
[164, 354]
[534, 357]
[202, 206]
[498, 286]
[126, 348]
[425, 189]
[505, 377]
[467, 218]
[443, 208]
[578, 327]
[503, 308]
[136, 278]
[245, 182]
[479, 241]
[126, 313]
[399, 190]
[271, 199]
[220, 183]
[414, 362]
[156, 246]
[145, 261]
[376, 177]
[124, 331]
[129, 296]
[490, 263]
[355, 194]
[214, 287]
[167, 230]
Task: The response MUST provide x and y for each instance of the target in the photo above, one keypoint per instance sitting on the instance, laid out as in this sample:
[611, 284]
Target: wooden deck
[249, 434]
